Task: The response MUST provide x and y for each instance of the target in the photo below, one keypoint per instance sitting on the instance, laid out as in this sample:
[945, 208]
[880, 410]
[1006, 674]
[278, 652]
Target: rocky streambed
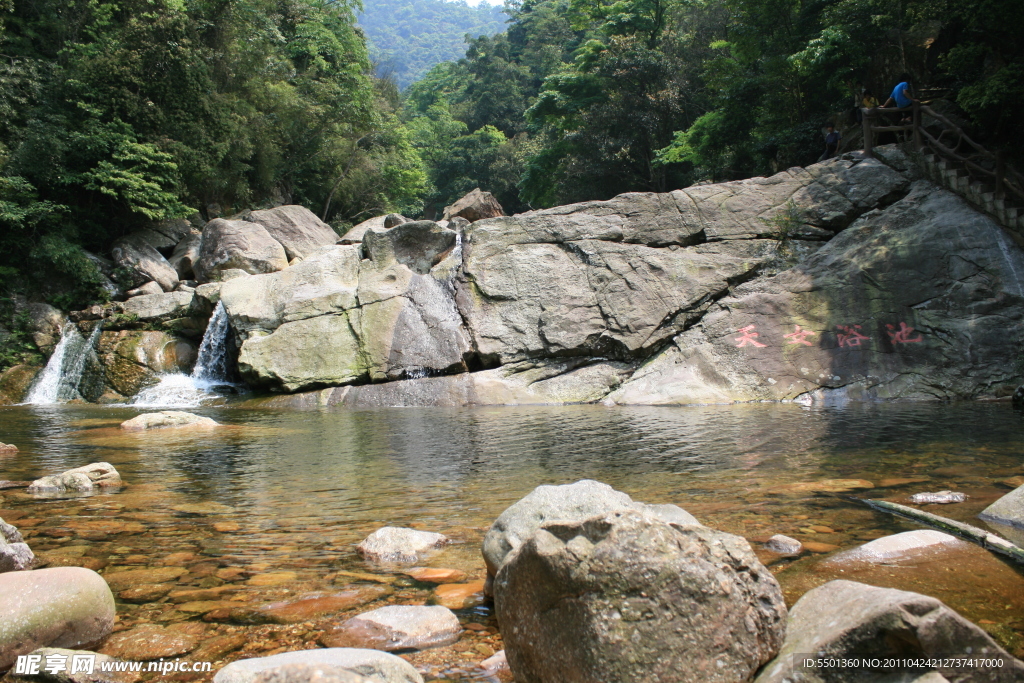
[241, 541]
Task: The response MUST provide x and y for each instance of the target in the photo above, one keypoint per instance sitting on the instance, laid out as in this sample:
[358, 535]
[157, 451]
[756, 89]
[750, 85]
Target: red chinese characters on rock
[746, 337]
[902, 334]
[849, 336]
[799, 336]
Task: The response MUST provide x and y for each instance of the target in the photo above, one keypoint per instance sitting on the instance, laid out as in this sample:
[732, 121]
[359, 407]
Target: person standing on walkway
[901, 96]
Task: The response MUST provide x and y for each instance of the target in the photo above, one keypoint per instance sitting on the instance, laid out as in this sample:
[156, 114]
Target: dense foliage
[117, 112]
[408, 37]
[584, 99]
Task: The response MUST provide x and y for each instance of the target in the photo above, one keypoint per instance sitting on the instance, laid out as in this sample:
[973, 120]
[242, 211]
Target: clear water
[303, 487]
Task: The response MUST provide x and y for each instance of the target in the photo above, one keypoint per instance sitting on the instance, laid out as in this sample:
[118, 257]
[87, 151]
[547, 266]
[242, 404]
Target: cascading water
[211, 371]
[59, 380]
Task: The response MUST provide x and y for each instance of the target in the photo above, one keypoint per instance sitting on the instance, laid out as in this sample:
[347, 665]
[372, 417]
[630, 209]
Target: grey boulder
[379, 667]
[627, 597]
[15, 555]
[229, 246]
[1008, 510]
[167, 419]
[59, 607]
[159, 307]
[474, 206]
[565, 503]
[399, 545]
[844, 619]
[297, 228]
[140, 258]
[420, 245]
[185, 254]
[148, 289]
[91, 476]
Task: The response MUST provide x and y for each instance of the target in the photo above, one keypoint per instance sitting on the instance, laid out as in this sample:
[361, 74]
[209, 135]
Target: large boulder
[93, 476]
[846, 620]
[475, 206]
[297, 228]
[60, 607]
[132, 360]
[230, 246]
[885, 310]
[566, 503]
[628, 597]
[355, 233]
[15, 555]
[159, 307]
[1008, 510]
[143, 262]
[15, 383]
[379, 667]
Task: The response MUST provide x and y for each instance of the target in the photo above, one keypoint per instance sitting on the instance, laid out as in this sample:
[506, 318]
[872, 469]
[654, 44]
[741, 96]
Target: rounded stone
[380, 667]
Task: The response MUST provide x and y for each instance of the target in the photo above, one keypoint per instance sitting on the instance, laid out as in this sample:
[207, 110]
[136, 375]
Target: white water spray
[59, 380]
[210, 372]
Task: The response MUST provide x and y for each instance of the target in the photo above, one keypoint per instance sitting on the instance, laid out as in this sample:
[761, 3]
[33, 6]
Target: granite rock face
[229, 246]
[628, 597]
[297, 228]
[139, 257]
[845, 619]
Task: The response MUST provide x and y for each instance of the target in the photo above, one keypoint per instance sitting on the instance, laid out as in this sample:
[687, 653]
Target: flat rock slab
[459, 595]
[906, 546]
[436, 575]
[308, 607]
[208, 508]
[397, 627]
[167, 418]
[60, 607]
[379, 667]
[149, 641]
[399, 545]
[66, 659]
[130, 578]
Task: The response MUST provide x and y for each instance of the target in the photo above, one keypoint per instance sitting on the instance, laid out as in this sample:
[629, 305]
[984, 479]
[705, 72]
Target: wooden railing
[951, 143]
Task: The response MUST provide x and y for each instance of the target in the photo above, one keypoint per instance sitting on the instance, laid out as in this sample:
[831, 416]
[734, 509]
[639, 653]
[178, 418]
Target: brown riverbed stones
[628, 597]
[61, 607]
[307, 607]
[844, 619]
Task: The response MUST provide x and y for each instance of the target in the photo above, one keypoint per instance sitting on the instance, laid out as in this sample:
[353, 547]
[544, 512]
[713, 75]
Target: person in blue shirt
[832, 139]
[901, 96]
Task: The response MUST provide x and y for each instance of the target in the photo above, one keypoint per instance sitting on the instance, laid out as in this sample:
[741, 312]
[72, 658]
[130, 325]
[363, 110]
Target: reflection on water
[303, 487]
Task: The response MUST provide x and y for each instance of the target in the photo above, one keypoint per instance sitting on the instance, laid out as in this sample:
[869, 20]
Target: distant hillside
[407, 37]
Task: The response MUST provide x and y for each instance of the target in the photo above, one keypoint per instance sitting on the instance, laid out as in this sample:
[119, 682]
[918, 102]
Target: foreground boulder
[297, 228]
[380, 667]
[628, 597]
[400, 545]
[232, 247]
[15, 555]
[310, 673]
[397, 627]
[1007, 510]
[566, 503]
[60, 607]
[93, 476]
[844, 619]
[167, 418]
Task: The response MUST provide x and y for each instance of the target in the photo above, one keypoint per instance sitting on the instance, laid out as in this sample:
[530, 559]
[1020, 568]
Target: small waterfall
[212, 371]
[58, 382]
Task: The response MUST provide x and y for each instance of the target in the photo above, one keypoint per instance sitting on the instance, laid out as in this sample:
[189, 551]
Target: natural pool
[271, 506]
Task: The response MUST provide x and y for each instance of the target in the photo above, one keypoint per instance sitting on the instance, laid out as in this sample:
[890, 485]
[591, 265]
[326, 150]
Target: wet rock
[889, 548]
[309, 607]
[1007, 510]
[210, 507]
[378, 666]
[167, 418]
[397, 627]
[399, 545]
[150, 288]
[845, 618]
[195, 594]
[817, 547]
[133, 359]
[231, 245]
[940, 497]
[214, 649]
[15, 383]
[93, 476]
[474, 206]
[436, 575]
[309, 673]
[66, 672]
[132, 578]
[625, 596]
[272, 579]
[15, 555]
[145, 593]
[149, 641]
[495, 664]
[8, 448]
[138, 257]
[784, 545]
[159, 307]
[566, 503]
[459, 595]
[297, 228]
[60, 607]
